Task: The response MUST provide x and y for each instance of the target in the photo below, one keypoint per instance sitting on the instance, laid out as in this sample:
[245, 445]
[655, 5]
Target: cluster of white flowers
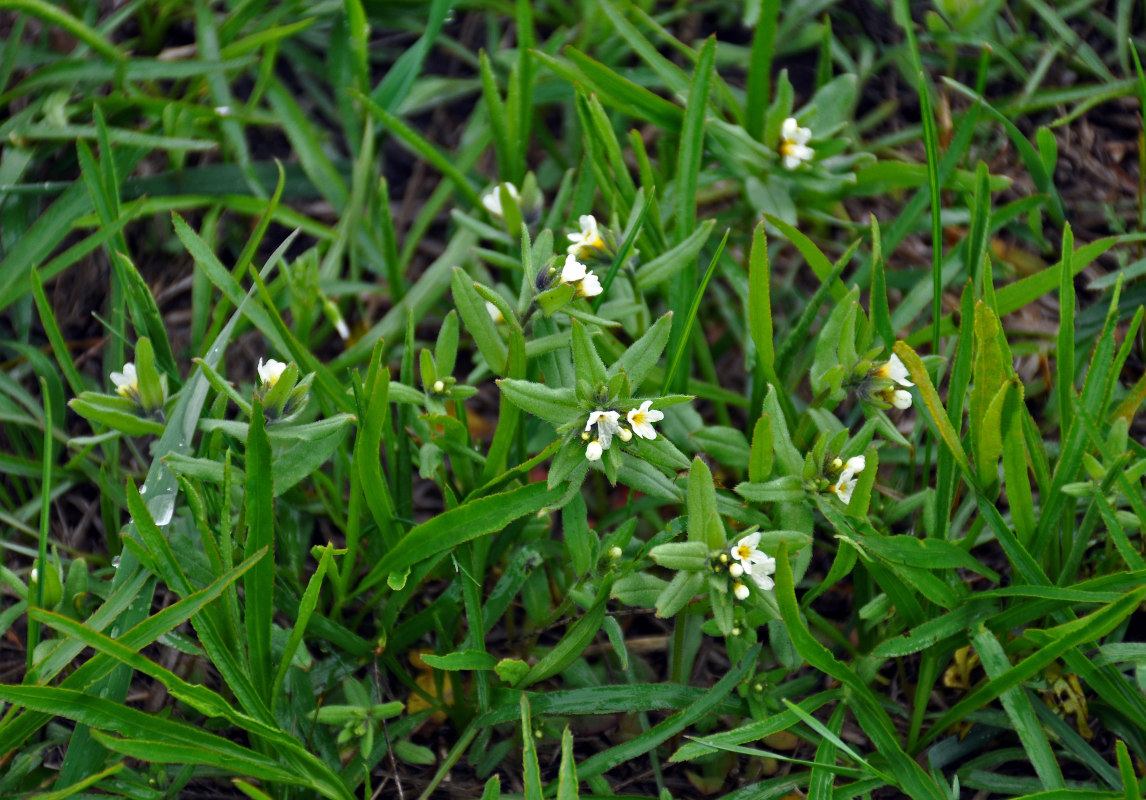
[578, 275]
[794, 144]
[608, 424]
[588, 241]
[748, 559]
[894, 369]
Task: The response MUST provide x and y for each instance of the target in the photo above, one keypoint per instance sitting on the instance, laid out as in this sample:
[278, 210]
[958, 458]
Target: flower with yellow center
[270, 373]
[846, 482]
[126, 382]
[588, 240]
[749, 559]
[894, 369]
[608, 423]
[794, 144]
[642, 420]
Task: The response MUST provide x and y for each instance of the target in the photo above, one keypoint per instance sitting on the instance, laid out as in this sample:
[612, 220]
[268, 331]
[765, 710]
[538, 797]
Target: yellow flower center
[743, 552]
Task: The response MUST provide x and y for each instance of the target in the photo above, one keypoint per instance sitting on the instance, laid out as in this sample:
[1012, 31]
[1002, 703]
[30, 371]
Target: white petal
[270, 372]
[855, 465]
[593, 451]
[802, 137]
[789, 129]
[588, 227]
[791, 162]
[491, 201]
[897, 371]
[844, 488]
[751, 540]
[901, 399]
[764, 582]
[740, 591]
[494, 312]
[126, 380]
[590, 285]
[573, 270]
[735, 570]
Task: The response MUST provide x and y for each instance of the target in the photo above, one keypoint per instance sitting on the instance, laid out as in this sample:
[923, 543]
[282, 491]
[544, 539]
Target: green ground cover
[591, 399]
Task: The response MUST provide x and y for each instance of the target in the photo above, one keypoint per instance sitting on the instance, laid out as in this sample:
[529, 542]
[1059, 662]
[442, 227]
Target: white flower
[642, 420]
[590, 285]
[573, 271]
[588, 239]
[893, 368]
[126, 382]
[846, 483]
[901, 399]
[494, 313]
[578, 275]
[270, 372]
[747, 554]
[491, 200]
[608, 423]
[763, 572]
[740, 591]
[794, 143]
[594, 450]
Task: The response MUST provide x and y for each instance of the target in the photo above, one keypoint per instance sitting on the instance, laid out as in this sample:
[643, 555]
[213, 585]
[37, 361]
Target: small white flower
[594, 450]
[588, 239]
[494, 313]
[845, 485]
[735, 570]
[855, 465]
[590, 285]
[608, 423]
[740, 591]
[794, 144]
[573, 270]
[901, 399]
[893, 368]
[270, 372]
[747, 554]
[846, 482]
[642, 419]
[126, 382]
[763, 577]
[491, 200]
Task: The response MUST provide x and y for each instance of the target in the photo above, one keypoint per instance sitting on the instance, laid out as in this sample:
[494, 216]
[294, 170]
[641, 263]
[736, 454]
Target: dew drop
[162, 509]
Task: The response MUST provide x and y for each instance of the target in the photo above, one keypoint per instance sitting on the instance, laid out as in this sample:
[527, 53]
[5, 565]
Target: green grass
[431, 549]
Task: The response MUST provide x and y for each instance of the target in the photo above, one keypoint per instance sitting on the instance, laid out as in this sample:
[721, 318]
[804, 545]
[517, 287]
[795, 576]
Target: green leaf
[681, 555]
[580, 634]
[760, 301]
[462, 660]
[812, 254]
[258, 584]
[461, 524]
[558, 406]
[668, 264]
[642, 355]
